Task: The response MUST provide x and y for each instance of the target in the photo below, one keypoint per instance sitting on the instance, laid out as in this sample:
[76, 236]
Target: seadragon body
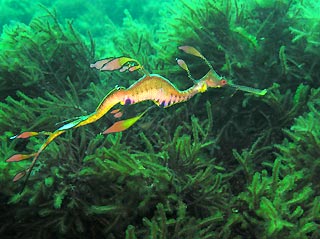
[152, 87]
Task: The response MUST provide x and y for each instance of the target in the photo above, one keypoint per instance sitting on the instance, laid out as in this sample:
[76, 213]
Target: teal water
[235, 156]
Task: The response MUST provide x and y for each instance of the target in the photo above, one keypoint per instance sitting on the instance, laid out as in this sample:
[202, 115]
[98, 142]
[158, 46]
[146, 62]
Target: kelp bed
[225, 164]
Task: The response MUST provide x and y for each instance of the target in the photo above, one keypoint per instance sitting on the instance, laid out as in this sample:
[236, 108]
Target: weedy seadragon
[152, 87]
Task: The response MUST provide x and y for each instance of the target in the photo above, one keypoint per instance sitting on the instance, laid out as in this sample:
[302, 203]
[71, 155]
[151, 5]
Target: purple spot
[163, 104]
[127, 102]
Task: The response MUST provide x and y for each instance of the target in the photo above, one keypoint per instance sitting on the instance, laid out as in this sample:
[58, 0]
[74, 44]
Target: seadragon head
[213, 80]
[210, 80]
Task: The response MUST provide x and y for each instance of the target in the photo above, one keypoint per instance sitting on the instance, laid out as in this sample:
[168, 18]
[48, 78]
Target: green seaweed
[43, 55]
[226, 164]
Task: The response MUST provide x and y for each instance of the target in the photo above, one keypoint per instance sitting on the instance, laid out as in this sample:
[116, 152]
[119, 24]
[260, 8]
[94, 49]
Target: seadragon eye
[223, 82]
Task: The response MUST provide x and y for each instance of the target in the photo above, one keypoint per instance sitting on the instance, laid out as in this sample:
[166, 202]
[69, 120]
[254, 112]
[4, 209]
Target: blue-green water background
[225, 164]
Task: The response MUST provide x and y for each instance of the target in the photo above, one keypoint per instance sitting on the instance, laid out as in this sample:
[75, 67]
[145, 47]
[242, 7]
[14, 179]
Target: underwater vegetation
[224, 164]
[43, 56]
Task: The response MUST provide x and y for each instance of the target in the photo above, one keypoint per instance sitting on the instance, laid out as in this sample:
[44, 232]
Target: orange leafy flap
[19, 157]
[191, 50]
[19, 175]
[24, 135]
